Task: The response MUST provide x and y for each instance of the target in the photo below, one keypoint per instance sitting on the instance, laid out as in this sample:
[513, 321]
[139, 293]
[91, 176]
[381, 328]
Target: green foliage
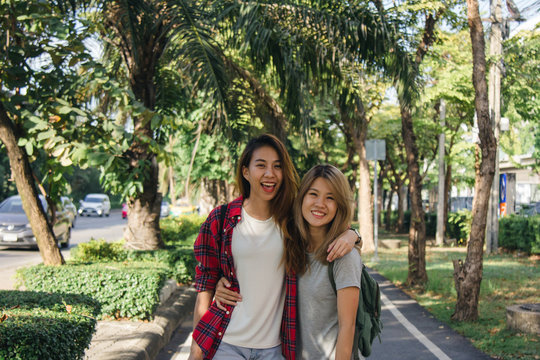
[37, 77]
[41, 325]
[520, 233]
[177, 260]
[99, 250]
[125, 290]
[181, 230]
[458, 226]
[180, 261]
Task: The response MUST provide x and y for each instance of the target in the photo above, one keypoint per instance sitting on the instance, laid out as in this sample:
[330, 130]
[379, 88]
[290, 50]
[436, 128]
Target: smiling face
[319, 206]
[264, 174]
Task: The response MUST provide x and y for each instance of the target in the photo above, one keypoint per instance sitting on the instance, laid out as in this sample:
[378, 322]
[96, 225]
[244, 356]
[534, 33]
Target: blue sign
[502, 188]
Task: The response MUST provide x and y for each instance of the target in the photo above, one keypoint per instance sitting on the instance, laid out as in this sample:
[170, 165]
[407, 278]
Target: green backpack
[368, 315]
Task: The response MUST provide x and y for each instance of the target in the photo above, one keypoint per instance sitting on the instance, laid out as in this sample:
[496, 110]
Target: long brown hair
[342, 194]
[281, 204]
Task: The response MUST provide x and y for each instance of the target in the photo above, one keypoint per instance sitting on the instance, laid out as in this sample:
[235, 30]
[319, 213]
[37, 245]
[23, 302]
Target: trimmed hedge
[125, 290]
[520, 233]
[40, 325]
[179, 260]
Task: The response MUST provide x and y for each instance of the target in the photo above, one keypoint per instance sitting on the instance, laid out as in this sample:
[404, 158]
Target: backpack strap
[222, 212]
[331, 276]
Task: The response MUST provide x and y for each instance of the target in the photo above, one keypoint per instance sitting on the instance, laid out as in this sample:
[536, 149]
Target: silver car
[15, 230]
[95, 204]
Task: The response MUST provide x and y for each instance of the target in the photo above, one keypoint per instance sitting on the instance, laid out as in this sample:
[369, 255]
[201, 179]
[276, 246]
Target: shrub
[458, 226]
[520, 233]
[99, 250]
[41, 325]
[181, 230]
[180, 261]
[125, 290]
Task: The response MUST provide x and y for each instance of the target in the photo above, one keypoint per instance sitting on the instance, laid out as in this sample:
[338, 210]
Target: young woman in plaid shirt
[253, 251]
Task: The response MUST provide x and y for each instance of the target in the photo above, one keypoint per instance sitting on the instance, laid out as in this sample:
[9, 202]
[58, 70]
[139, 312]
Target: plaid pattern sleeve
[213, 252]
[207, 253]
[288, 322]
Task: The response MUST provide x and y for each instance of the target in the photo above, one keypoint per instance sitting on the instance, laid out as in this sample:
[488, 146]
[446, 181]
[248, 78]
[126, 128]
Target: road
[109, 228]
[409, 333]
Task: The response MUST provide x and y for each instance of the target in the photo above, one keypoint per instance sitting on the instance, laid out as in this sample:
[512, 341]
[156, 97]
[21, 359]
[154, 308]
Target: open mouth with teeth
[268, 187]
[318, 214]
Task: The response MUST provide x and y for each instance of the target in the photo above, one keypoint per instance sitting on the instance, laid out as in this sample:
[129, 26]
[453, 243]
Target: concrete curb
[130, 340]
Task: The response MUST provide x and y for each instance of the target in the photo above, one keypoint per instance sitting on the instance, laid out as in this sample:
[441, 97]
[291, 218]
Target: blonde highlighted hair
[342, 195]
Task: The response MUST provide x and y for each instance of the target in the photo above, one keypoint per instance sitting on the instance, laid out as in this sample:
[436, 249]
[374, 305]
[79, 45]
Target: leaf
[29, 148]
[3, 318]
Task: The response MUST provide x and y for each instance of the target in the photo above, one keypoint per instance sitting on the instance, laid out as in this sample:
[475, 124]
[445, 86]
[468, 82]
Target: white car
[95, 204]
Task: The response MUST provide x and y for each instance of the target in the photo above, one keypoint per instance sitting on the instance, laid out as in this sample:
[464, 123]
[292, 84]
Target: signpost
[375, 150]
[502, 195]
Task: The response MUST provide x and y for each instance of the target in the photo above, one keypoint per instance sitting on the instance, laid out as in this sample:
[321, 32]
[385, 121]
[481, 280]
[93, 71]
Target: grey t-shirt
[317, 305]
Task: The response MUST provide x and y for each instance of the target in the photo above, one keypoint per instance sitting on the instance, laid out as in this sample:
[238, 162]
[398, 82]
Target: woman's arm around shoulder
[342, 245]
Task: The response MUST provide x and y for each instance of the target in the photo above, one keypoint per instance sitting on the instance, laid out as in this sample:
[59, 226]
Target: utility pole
[439, 236]
[375, 150]
[495, 53]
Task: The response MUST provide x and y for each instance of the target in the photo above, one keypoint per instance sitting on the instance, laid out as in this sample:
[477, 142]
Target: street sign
[376, 149]
[502, 195]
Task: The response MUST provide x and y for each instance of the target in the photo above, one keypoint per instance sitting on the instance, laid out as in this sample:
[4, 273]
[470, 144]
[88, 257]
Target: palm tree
[144, 33]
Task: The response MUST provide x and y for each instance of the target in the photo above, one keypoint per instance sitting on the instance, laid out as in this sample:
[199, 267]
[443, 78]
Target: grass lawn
[507, 280]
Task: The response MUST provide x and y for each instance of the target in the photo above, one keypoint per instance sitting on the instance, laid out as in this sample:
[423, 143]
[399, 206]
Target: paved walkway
[137, 340]
[409, 332]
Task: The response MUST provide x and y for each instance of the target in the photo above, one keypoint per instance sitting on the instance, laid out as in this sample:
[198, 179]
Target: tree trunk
[192, 160]
[24, 180]
[468, 275]
[380, 204]
[417, 275]
[447, 192]
[172, 185]
[388, 220]
[402, 195]
[142, 231]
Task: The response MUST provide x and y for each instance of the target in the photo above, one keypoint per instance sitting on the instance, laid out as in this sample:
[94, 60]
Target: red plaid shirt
[213, 252]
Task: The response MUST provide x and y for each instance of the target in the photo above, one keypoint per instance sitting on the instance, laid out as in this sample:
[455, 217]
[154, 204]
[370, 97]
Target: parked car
[164, 212]
[183, 207]
[165, 209]
[98, 204]
[15, 230]
[70, 208]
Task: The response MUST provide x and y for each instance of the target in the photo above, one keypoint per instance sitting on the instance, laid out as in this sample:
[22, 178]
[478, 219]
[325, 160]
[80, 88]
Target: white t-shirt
[318, 325]
[257, 249]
